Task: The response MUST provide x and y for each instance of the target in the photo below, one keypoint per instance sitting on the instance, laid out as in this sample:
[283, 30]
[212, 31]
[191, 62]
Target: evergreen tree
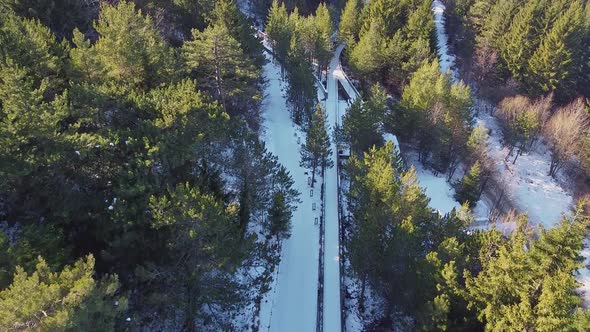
[51, 12]
[467, 190]
[69, 300]
[387, 15]
[520, 288]
[227, 13]
[302, 93]
[323, 21]
[439, 112]
[392, 228]
[220, 65]
[207, 248]
[349, 23]
[477, 143]
[33, 47]
[279, 217]
[367, 55]
[497, 22]
[130, 48]
[316, 151]
[361, 123]
[27, 124]
[555, 66]
[521, 39]
[279, 30]
[420, 23]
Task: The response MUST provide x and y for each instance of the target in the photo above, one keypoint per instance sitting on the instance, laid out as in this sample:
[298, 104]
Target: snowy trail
[291, 305]
[446, 60]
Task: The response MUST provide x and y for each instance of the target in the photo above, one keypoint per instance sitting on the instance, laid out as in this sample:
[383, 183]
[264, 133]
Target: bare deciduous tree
[566, 131]
[523, 120]
[485, 62]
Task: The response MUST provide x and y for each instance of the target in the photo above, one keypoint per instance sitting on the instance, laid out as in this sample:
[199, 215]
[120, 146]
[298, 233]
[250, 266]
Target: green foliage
[555, 64]
[279, 30]
[367, 55]
[227, 13]
[28, 124]
[139, 56]
[477, 145]
[420, 25]
[297, 41]
[437, 112]
[349, 23]
[221, 67]
[521, 40]
[316, 151]
[69, 300]
[207, 247]
[536, 42]
[395, 39]
[92, 127]
[392, 230]
[529, 289]
[33, 47]
[362, 122]
[468, 189]
[279, 217]
[51, 12]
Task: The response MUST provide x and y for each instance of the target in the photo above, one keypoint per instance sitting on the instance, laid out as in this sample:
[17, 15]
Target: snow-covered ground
[445, 58]
[436, 187]
[527, 182]
[291, 305]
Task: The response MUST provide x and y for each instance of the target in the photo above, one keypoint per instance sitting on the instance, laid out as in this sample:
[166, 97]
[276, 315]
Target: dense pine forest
[134, 188]
[138, 193]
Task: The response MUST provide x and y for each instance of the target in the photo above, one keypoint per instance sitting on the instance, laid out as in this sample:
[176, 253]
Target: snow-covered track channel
[291, 305]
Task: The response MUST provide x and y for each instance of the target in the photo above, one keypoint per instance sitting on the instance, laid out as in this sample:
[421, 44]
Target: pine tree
[26, 141]
[390, 230]
[316, 151]
[387, 15]
[219, 64]
[467, 190]
[227, 13]
[279, 30]
[554, 66]
[323, 21]
[32, 46]
[279, 217]
[67, 300]
[519, 43]
[367, 55]
[130, 48]
[302, 93]
[51, 13]
[497, 22]
[420, 23]
[84, 64]
[349, 23]
[438, 111]
[208, 245]
[361, 123]
[527, 283]
[477, 143]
